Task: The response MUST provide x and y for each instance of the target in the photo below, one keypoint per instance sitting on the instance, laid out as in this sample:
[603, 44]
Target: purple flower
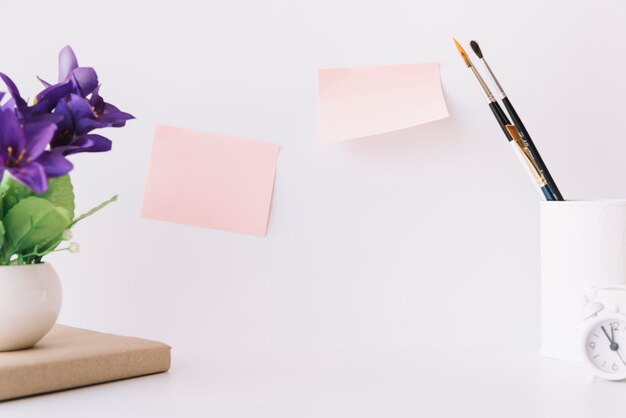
[16, 99]
[76, 115]
[45, 101]
[23, 151]
[82, 79]
[83, 109]
[34, 140]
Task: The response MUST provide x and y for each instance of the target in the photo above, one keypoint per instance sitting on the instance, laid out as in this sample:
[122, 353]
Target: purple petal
[13, 91]
[116, 119]
[65, 127]
[54, 164]
[32, 175]
[80, 107]
[99, 143]
[67, 63]
[86, 79]
[55, 92]
[44, 82]
[82, 113]
[38, 136]
[11, 133]
[49, 118]
[86, 125]
[96, 101]
[86, 120]
[75, 146]
[10, 104]
[48, 98]
[86, 143]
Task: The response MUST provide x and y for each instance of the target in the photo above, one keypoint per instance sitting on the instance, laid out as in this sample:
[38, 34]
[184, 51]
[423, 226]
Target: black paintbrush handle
[531, 147]
[501, 118]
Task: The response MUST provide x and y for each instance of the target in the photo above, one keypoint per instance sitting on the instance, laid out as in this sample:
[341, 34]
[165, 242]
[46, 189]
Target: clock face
[605, 346]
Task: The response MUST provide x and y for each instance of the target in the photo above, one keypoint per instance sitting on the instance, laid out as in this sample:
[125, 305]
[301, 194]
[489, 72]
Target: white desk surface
[442, 383]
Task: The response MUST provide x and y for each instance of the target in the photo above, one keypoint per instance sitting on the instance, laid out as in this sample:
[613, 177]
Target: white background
[400, 273]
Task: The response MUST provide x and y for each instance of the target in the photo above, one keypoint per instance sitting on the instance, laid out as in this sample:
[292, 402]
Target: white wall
[427, 237]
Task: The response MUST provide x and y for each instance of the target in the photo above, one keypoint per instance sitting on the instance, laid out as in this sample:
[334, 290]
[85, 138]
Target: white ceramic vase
[30, 301]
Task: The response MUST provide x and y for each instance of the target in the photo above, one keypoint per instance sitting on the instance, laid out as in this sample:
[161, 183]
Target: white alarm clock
[604, 332]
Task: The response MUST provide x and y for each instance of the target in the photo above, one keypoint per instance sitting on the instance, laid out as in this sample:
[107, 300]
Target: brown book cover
[72, 357]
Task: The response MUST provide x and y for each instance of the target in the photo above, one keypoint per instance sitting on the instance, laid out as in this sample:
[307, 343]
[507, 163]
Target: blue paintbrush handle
[547, 193]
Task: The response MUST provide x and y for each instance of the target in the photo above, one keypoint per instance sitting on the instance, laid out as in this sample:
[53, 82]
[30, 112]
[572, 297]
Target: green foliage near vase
[33, 225]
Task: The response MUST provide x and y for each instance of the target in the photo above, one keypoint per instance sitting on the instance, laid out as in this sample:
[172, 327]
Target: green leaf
[61, 193]
[12, 191]
[94, 210]
[1, 233]
[33, 221]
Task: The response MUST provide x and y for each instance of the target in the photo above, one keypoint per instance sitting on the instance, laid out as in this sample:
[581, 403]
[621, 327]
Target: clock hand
[620, 357]
[612, 336]
[613, 346]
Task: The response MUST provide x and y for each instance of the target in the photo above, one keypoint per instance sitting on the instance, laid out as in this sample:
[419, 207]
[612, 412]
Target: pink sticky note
[210, 180]
[358, 102]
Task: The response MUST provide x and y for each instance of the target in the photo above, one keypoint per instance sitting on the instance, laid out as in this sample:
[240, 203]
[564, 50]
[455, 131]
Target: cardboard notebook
[72, 357]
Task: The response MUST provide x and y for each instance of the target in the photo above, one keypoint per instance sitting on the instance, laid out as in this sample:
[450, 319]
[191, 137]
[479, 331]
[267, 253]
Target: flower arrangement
[36, 192]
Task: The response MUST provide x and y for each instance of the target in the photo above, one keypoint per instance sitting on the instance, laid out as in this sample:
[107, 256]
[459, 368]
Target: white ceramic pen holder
[583, 244]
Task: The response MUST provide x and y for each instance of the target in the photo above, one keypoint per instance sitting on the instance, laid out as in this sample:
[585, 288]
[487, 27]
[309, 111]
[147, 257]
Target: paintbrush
[499, 114]
[491, 100]
[520, 126]
[528, 162]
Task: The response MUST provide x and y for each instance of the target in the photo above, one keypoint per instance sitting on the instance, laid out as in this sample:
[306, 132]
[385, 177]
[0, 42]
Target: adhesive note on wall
[359, 102]
[210, 180]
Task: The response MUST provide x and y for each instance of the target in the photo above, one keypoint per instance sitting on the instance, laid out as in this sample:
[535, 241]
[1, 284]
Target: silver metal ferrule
[483, 86]
[495, 80]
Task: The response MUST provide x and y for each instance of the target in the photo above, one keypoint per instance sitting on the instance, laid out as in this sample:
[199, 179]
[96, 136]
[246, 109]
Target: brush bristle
[476, 49]
[463, 53]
